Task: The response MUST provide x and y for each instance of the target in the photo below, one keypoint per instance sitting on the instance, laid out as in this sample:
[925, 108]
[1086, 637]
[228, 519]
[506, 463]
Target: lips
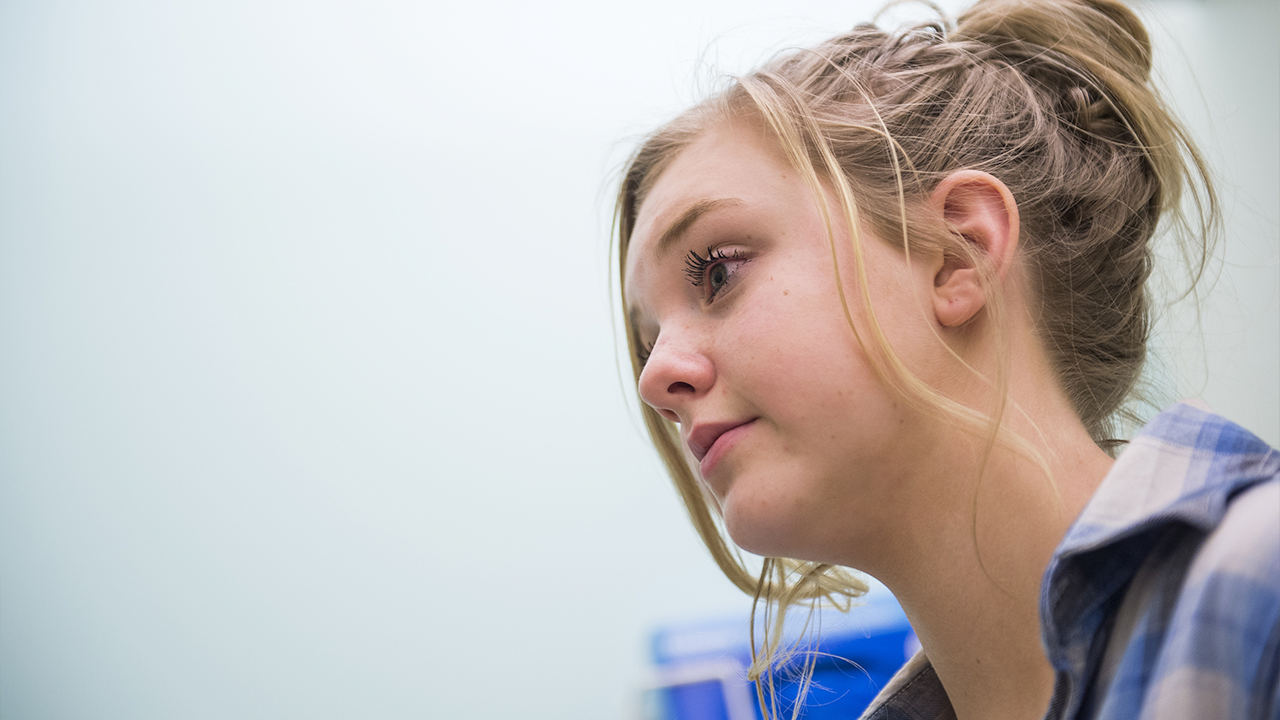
[704, 436]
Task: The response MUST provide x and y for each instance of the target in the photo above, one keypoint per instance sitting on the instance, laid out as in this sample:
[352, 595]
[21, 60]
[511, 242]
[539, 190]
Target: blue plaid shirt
[1163, 600]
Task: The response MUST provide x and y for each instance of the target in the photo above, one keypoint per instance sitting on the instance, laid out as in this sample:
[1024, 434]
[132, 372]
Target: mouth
[703, 438]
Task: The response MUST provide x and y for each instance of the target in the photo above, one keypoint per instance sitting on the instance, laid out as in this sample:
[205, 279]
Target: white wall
[308, 403]
[1226, 81]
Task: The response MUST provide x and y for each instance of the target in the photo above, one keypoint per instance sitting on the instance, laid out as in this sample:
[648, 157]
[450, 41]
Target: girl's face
[731, 288]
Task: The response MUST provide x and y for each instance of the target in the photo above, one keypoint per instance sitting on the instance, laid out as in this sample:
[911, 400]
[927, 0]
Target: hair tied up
[1104, 37]
[1085, 109]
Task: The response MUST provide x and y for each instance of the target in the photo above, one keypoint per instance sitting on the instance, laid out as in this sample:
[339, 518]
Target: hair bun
[1103, 36]
[1139, 45]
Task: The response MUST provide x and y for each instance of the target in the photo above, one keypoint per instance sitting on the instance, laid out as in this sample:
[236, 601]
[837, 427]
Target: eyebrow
[688, 218]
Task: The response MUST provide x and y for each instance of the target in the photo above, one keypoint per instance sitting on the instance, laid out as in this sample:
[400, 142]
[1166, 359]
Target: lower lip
[722, 445]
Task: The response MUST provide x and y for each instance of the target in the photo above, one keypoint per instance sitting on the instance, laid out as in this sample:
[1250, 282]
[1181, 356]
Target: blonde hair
[1052, 97]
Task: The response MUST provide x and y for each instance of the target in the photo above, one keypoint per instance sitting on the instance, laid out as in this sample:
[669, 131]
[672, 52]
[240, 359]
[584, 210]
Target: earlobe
[983, 216]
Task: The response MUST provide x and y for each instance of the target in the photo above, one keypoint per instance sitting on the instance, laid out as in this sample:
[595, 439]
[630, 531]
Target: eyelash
[696, 267]
[643, 353]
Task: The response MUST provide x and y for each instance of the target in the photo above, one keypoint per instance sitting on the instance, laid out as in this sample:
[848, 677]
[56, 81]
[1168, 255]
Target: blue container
[701, 668]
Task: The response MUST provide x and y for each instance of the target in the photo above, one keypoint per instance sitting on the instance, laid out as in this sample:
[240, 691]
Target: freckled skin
[830, 465]
[824, 463]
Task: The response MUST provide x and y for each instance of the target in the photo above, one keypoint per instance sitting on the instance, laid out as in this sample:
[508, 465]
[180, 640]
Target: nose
[673, 377]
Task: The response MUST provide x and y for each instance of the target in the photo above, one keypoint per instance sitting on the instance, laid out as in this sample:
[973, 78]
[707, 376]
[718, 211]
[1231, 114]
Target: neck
[968, 569]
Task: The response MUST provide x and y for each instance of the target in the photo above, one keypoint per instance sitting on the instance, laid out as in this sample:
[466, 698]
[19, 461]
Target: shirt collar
[913, 693]
[1184, 466]
[1182, 469]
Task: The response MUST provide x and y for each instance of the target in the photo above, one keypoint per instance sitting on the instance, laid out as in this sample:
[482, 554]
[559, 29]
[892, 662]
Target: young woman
[886, 303]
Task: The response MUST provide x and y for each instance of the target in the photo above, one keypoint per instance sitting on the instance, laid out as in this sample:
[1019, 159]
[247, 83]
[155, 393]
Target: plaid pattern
[1163, 600]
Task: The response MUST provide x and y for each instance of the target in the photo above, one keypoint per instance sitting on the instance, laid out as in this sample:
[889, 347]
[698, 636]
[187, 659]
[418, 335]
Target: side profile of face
[731, 288]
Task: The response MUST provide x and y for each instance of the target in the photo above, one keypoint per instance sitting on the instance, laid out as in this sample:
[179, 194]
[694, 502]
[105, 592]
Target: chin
[757, 526]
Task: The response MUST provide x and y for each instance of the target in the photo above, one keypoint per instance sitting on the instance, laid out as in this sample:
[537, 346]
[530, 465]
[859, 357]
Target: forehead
[732, 165]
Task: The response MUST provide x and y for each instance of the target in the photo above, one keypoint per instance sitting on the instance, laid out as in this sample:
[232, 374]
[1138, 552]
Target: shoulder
[1221, 647]
[1245, 546]
[1163, 600]
[1232, 584]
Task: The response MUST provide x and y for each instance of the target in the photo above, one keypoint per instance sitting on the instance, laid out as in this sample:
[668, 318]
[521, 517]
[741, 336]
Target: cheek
[805, 350]
[901, 295]
[813, 377]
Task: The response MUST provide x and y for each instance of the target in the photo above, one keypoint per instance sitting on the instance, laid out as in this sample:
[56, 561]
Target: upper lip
[702, 437]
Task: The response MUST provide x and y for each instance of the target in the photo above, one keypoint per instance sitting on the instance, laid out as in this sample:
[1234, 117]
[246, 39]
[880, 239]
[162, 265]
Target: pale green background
[308, 396]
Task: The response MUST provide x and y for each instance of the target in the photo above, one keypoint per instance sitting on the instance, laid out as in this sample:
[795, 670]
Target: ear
[981, 211]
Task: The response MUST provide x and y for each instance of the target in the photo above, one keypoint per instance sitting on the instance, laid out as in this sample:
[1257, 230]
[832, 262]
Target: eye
[715, 271]
[717, 277]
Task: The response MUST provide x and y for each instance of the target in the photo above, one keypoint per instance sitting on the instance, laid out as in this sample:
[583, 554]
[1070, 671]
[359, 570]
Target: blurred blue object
[701, 668]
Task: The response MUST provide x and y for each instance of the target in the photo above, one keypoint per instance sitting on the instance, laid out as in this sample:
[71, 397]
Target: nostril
[679, 387]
